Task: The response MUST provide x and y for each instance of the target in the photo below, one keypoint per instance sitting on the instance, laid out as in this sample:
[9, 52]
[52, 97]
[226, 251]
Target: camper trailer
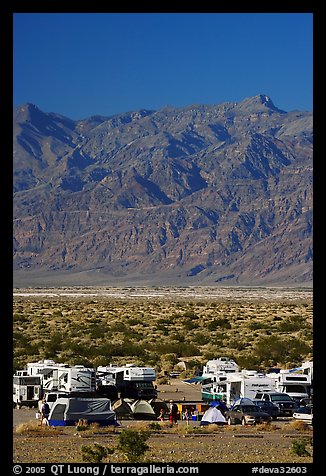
[131, 381]
[246, 384]
[27, 389]
[295, 384]
[62, 377]
[214, 375]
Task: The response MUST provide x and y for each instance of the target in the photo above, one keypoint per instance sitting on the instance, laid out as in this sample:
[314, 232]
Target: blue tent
[218, 403]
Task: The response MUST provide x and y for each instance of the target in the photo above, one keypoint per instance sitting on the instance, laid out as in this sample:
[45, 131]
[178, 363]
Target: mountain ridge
[206, 193]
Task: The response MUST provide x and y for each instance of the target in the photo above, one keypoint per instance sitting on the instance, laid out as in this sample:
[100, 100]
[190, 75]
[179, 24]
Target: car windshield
[282, 397]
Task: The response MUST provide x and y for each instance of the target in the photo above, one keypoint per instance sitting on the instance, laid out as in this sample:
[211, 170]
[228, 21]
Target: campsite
[175, 334]
[193, 443]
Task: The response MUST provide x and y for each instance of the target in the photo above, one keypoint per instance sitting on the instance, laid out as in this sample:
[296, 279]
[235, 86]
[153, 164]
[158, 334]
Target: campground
[180, 444]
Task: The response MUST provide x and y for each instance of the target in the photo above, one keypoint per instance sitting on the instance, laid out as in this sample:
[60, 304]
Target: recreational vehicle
[246, 384]
[131, 381]
[27, 389]
[62, 377]
[222, 364]
[215, 389]
[297, 385]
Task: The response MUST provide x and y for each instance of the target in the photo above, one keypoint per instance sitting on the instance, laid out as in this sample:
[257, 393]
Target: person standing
[187, 416]
[173, 412]
[45, 412]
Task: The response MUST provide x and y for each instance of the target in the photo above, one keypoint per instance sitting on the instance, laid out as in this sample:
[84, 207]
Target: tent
[122, 408]
[67, 411]
[213, 415]
[220, 405]
[158, 404]
[242, 401]
[142, 410]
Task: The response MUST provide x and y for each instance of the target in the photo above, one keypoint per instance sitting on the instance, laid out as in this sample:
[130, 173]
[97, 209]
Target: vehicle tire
[229, 421]
[243, 422]
[274, 418]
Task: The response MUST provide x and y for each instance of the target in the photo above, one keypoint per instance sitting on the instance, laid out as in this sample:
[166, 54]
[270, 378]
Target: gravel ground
[226, 444]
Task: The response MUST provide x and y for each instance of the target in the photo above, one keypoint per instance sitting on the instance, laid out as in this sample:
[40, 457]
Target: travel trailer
[246, 384]
[214, 376]
[131, 381]
[27, 389]
[62, 377]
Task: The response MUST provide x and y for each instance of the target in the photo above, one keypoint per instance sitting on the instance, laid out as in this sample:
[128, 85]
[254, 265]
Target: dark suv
[285, 403]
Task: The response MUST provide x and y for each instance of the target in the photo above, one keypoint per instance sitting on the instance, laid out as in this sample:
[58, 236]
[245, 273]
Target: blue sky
[106, 63]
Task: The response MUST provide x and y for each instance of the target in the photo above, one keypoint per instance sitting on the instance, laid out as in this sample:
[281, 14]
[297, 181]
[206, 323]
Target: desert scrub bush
[33, 428]
[132, 444]
[82, 425]
[299, 448]
[95, 453]
[266, 426]
[153, 425]
[299, 425]
[220, 322]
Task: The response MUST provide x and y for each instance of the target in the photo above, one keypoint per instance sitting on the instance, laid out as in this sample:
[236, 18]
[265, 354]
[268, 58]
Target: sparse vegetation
[299, 447]
[132, 444]
[161, 332]
[95, 453]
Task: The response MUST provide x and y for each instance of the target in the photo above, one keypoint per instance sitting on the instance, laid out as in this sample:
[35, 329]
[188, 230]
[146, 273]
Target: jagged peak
[259, 102]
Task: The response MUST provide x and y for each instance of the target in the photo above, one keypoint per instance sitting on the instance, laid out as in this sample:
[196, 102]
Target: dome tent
[213, 415]
[220, 405]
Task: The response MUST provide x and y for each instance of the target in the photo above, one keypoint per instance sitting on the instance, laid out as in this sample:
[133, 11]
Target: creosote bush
[132, 444]
[95, 453]
[299, 448]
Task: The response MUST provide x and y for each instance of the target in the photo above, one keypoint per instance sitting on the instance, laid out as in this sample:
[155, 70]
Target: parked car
[304, 414]
[246, 415]
[268, 407]
[285, 403]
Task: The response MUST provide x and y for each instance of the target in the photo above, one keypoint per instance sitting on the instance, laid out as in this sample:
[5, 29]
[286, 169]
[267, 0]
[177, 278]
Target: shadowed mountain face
[202, 194]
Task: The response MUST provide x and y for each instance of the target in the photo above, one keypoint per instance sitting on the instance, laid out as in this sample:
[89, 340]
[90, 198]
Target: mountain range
[206, 194]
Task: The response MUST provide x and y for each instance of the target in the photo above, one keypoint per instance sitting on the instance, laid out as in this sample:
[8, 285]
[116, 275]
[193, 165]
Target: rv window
[52, 397]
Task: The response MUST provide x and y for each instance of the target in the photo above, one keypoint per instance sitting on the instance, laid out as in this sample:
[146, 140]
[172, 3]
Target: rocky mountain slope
[202, 194]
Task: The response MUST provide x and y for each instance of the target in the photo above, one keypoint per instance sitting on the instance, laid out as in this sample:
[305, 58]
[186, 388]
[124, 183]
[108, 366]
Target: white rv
[295, 384]
[214, 375]
[246, 384]
[131, 381]
[214, 388]
[62, 377]
[221, 364]
[27, 389]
